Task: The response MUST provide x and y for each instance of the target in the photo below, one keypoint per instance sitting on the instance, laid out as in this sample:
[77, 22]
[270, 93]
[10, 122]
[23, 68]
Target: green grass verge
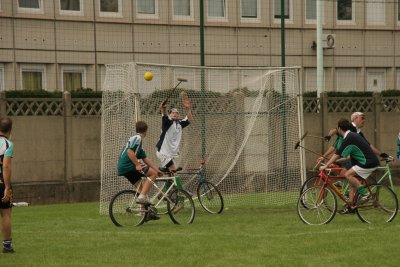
[76, 235]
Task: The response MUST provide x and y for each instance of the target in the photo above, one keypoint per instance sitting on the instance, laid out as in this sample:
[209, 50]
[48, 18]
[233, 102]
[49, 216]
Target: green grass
[76, 235]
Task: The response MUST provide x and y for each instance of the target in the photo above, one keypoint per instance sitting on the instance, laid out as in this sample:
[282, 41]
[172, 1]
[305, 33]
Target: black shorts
[134, 176]
[8, 204]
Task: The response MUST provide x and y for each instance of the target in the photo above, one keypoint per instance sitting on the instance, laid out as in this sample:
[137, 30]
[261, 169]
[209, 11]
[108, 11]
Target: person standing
[171, 133]
[6, 195]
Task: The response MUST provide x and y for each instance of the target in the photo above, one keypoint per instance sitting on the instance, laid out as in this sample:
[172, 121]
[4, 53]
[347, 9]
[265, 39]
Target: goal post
[245, 124]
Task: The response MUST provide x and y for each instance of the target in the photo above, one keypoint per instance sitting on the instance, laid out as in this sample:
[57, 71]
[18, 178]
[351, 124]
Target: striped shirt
[171, 134]
[6, 150]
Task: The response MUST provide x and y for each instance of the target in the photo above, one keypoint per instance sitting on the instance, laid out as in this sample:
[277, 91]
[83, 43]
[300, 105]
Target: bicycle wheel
[210, 197]
[181, 208]
[124, 211]
[317, 205]
[381, 206]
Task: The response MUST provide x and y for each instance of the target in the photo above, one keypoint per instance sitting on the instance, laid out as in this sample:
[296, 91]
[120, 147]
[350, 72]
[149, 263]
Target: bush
[79, 93]
[32, 94]
[310, 94]
[390, 92]
[350, 94]
[85, 93]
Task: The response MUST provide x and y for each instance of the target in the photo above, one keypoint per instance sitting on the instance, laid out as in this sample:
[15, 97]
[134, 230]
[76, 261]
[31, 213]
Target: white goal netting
[245, 124]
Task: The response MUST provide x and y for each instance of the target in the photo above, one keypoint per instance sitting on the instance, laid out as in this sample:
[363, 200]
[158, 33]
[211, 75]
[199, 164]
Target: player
[363, 159]
[130, 167]
[171, 133]
[6, 195]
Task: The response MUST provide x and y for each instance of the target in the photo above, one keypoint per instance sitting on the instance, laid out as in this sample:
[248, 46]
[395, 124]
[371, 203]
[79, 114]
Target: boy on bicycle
[363, 159]
[129, 165]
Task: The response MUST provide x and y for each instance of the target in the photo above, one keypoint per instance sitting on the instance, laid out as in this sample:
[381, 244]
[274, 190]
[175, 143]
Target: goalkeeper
[171, 133]
[130, 167]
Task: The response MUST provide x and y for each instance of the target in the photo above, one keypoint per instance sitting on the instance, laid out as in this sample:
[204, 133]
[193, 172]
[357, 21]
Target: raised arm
[163, 108]
[187, 105]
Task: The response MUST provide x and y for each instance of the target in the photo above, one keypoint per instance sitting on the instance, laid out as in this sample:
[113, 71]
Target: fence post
[323, 102]
[377, 118]
[67, 142]
[3, 103]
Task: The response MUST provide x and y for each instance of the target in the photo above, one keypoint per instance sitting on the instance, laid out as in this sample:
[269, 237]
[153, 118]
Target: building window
[311, 10]
[147, 8]
[71, 7]
[111, 8]
[2, 87]
[182, 9]
[376, 12]
[216, 9]
[398, 79]
[33, 76]
[376, 80]
[277, 9]
[73, 77]
[345, 10]
[346, 79]
[250, 9]
[30, 6]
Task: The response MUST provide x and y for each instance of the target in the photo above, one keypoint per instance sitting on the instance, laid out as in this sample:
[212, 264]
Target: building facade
[65, 44]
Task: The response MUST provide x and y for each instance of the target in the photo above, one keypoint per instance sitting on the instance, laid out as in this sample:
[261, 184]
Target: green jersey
[125, 164]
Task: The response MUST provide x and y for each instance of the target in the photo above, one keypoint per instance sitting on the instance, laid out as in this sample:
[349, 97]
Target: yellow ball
[148, 76]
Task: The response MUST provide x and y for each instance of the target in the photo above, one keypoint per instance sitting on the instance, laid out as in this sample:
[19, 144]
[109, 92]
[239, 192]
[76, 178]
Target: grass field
[76, 235]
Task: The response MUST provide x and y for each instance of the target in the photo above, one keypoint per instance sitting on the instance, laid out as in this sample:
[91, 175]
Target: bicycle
[318, 204]
[123, 209]
[208, 194]
[314, 180]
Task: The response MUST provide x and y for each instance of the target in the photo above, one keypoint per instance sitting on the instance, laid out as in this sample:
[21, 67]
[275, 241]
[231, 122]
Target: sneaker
[347, 210]
[152, 216]
[364, 198]
[143, 200]
[8, 250]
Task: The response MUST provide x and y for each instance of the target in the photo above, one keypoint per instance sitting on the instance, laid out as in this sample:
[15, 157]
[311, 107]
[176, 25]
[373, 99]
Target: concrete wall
[57, 158]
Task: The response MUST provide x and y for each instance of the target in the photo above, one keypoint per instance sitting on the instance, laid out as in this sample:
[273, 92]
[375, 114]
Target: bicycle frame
[164, 195]
[325, 177]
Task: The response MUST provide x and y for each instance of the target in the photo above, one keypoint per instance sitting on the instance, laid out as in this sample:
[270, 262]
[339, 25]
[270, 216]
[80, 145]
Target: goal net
[245, 124]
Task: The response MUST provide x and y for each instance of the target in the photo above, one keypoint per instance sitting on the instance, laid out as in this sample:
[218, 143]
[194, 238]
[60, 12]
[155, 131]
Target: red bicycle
[318, 203]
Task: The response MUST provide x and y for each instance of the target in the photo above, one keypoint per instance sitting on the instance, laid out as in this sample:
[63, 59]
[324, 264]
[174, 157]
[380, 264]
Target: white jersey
[171, 135]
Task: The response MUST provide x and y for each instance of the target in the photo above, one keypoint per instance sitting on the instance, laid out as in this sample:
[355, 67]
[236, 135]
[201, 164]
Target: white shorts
[364, 173]
[164, 159]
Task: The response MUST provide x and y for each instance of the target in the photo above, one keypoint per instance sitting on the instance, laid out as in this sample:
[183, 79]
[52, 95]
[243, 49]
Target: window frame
[148, 16]
[219, 19]
[72, 12]
[353, 14]
[73, 69]
[25, 67]
[287, 20]
[28, 10]
[251, 20]
[2, 77]
[109, 14]
[183, 17]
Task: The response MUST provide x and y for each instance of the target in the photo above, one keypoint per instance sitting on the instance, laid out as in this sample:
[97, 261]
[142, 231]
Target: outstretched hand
[186, 102]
